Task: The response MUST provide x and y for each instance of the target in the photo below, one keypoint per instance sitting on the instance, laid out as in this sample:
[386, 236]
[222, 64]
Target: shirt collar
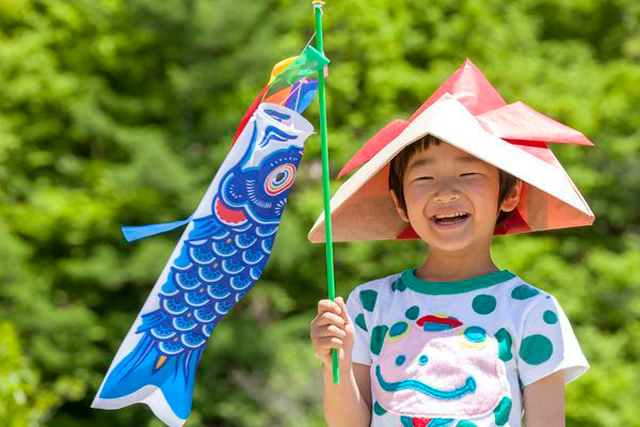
[409, 278]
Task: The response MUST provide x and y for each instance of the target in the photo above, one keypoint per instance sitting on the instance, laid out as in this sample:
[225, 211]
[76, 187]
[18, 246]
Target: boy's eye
[469, 174]
[425, 177]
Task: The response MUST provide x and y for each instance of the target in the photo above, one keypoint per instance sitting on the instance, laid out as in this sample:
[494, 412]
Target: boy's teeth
[450, 215]
[450, 218]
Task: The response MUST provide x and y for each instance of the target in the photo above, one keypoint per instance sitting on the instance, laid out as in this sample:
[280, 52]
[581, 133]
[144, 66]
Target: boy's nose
[446, 196]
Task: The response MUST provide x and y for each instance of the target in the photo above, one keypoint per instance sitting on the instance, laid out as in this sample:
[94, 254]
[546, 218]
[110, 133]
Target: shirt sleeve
[357, 314]
[547, 343]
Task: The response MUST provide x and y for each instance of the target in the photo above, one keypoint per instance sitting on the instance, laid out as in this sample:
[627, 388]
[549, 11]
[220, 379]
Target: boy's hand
[332, 328]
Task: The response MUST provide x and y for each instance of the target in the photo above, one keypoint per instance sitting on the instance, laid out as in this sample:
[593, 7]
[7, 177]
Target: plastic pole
[325, 176]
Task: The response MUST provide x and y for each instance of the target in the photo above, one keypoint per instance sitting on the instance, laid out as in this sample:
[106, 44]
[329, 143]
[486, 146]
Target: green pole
[317, 5]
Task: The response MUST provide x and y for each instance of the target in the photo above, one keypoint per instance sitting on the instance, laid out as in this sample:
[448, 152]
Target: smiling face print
[437, 367]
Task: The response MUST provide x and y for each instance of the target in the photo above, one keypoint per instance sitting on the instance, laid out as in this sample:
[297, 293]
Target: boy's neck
[456, 266]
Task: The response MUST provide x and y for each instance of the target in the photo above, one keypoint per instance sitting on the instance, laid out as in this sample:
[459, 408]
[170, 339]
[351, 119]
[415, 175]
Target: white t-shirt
[457, 354]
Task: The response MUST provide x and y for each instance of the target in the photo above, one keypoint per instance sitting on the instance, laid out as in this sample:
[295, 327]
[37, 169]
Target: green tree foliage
[117, 112]
[22, 402]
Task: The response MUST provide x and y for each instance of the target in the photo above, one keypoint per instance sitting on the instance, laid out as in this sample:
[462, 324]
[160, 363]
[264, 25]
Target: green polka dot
[504, 344]
[523, 292]
[368, 299]
[379, 410]
[398, 285]
[360, 321]
[412, 313]
[377, 338]
[398, 328]
[484, 304]
[466, 424]
[406, 421]
[400, 360]
[536, 349]
[550, 317]
[502, 411]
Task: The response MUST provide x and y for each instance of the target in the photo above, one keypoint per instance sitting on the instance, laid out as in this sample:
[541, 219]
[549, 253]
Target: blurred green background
[119, 112]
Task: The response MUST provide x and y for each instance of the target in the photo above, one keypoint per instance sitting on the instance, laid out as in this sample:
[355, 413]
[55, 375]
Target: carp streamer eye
[473, 338]
[280, 179]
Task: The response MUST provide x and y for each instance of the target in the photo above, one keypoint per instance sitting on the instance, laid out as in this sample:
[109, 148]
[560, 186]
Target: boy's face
[452, 198]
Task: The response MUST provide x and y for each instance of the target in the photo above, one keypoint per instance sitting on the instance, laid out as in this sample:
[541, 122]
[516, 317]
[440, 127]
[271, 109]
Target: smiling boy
[455, 342]
[453, 201]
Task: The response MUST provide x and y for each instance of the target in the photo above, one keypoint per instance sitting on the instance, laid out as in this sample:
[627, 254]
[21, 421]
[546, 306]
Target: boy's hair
[399, 165]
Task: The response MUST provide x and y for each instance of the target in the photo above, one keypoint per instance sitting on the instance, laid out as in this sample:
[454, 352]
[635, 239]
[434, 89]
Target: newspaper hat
[468, 113]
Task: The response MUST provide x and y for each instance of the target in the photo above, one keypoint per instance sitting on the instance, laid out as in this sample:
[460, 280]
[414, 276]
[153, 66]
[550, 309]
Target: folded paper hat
[468, 113]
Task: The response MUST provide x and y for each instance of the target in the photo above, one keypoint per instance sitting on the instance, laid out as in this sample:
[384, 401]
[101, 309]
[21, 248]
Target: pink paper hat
[468, 113]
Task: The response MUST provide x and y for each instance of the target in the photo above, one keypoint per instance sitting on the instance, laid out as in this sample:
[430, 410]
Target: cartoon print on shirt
[435, 371]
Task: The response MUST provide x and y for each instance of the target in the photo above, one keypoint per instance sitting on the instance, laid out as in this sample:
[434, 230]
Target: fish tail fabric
[219, 257]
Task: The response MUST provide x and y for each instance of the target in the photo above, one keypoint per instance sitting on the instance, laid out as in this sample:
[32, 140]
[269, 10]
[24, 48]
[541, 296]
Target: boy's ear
[512, 199]
[401, 212]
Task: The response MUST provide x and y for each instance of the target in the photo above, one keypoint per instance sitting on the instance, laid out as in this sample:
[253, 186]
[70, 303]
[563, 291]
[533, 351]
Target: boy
[456, 341]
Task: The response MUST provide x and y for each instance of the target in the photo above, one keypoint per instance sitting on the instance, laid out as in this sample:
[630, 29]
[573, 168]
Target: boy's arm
[363, 379]
[544, 402]
[349, 402]
[346, 404]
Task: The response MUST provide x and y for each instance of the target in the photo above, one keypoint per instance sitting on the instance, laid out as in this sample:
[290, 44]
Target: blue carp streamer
[220, 256]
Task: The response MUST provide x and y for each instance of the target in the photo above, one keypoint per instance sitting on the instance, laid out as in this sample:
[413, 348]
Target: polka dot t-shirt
[458, 354]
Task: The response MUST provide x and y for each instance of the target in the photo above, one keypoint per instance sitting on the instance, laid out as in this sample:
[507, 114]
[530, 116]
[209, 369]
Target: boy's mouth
[449, 219]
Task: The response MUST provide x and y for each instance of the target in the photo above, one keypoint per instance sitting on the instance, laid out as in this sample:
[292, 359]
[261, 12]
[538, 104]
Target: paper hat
[468, 113]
